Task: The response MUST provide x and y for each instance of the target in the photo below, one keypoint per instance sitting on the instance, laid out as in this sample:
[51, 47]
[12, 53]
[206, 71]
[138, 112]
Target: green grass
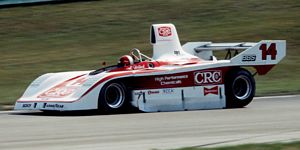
[276, 146]
[80, 36]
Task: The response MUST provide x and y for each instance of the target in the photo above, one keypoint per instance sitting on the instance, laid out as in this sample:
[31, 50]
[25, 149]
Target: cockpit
[135, 60]
[135, 56]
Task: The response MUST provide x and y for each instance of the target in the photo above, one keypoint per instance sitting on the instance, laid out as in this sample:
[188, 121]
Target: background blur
[80, 36]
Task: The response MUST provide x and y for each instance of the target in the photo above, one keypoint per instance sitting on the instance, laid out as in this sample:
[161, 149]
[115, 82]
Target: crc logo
[208, 77]
[164, 31]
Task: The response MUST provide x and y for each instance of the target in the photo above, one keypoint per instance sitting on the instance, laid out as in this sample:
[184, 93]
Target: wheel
[113, 98]
[239, 88]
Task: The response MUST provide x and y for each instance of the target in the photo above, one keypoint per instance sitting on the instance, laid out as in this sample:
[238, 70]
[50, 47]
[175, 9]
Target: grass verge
[275, 146]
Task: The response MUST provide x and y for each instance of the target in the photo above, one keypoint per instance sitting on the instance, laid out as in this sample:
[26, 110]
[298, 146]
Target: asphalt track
[266, 119]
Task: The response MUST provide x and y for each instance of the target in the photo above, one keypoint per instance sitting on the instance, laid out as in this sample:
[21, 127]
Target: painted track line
[277, 97]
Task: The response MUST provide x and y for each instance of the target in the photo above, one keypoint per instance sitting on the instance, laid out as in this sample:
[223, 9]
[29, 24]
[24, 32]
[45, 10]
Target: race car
[176, 77]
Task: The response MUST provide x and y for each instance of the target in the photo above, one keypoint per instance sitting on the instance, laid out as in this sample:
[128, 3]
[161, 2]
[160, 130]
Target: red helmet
[126, 60]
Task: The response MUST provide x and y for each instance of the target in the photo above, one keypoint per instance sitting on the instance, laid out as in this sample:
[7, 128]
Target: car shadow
[92, 112]
[68, 113]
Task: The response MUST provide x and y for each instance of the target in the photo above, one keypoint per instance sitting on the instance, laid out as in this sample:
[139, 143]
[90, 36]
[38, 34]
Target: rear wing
[225, 46]
[262, 55]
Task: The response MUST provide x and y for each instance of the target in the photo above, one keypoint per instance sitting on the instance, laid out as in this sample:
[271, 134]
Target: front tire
[113, 98]
[239, 88]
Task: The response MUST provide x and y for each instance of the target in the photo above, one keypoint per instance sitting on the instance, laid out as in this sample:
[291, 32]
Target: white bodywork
[80, 91]
[171, 99]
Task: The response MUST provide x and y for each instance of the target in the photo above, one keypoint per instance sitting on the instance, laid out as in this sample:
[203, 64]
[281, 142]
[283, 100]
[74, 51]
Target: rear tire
[239, 88]
[113, 98]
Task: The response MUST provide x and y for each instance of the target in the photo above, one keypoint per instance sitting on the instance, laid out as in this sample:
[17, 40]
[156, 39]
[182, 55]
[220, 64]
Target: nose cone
[65, 88]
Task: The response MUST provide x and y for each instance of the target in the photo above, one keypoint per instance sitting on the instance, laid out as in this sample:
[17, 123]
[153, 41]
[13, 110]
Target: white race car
[177, 77]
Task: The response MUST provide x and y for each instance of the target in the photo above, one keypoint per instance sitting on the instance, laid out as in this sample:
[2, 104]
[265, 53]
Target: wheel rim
[114, 95]
[242, 87]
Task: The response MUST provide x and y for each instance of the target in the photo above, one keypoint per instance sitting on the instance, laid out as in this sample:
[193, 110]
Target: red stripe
[117, 75]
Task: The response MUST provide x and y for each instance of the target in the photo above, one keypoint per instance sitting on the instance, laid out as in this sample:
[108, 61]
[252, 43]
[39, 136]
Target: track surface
[266, 119]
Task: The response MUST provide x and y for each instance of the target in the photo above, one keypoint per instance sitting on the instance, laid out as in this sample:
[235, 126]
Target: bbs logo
[249, 58]
[208, 77]
[164, 31]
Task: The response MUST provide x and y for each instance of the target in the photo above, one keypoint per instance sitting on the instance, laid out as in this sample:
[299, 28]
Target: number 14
[268, 51]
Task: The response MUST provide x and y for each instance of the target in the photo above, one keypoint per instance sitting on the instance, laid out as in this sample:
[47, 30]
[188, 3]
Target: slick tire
[113, 98]
[239, 88]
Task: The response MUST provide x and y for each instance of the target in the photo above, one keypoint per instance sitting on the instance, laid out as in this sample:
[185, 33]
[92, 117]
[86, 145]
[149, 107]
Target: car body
[177, 77]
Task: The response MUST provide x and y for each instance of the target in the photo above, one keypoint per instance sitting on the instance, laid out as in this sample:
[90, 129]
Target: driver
[125, 60]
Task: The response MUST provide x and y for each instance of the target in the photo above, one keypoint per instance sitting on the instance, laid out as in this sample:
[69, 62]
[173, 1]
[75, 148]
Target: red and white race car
[177, 77]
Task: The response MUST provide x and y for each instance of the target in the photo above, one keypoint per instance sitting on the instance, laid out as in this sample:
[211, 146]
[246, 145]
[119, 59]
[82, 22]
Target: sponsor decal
[164, 31]
[249, 57]
[140, 93]
[208, 77]
[170, 80]
[58, 92]
[214, 90]
[26, 105]
[53, 105]
[168, 91]
[177, 52]
[34, 105]
[135, 67]
[205, 77]
[153, 92]
[64, 89]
